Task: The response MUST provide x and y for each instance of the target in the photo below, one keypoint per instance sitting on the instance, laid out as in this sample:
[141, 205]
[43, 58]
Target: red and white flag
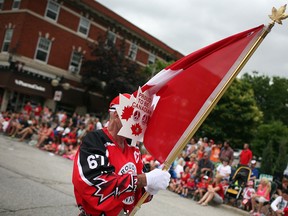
[187, 89]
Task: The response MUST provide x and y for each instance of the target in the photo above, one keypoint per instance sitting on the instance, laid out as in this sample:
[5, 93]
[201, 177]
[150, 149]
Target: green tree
[271, 96]
[109, 72]
[275, 132]
[281, 159]
[266, 164]
[235, 117]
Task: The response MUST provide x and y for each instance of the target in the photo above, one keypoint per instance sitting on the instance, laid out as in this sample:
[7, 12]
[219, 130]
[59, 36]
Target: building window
[16, 4]
[133, 51]
[151, 58]
[43, 49]
[84, 25]
[52, 10]
[1, 4]
[111, 39]
[75, 63]
[7, 40]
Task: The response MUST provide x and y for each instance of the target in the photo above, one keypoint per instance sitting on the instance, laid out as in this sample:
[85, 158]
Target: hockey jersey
[105, 176]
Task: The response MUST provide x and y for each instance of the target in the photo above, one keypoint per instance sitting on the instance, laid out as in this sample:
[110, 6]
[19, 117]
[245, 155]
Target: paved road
[35, 182]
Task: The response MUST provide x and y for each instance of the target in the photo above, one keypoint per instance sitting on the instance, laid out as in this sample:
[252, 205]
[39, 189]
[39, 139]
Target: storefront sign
[57, 95]
[29, 85]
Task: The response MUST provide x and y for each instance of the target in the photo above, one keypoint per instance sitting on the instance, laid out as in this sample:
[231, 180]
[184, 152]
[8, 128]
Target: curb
[234, 209]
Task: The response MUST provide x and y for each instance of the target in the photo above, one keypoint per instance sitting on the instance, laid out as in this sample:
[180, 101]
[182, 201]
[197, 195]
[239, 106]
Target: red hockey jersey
[105, 176]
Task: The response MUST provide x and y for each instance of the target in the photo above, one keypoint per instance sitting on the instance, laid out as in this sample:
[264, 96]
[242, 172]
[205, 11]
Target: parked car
[236, 153]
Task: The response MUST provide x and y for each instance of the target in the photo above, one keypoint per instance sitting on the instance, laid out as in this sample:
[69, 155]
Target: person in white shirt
[247, 194]
[280, 204]
[98, 124]
[224, 169]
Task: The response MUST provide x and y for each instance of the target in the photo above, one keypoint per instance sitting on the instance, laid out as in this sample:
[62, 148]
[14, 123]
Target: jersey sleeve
[96, 185]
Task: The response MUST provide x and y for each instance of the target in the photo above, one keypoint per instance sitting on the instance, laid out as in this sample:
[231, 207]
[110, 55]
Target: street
[35, 182]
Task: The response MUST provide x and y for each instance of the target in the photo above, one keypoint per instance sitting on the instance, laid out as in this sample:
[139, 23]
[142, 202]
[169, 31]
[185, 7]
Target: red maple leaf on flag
[127, 112]
[136, 129]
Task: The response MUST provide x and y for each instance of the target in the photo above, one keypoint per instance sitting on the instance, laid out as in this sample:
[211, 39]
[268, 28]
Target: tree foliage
[271, 96]
[235, 117]
[274, 132]
[266, 164]
[109, 72]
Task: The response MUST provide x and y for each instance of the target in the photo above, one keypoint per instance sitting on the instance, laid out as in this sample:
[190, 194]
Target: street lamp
[58, 81]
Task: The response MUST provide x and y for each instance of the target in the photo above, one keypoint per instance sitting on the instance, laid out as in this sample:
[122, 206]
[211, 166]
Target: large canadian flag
[187, 88]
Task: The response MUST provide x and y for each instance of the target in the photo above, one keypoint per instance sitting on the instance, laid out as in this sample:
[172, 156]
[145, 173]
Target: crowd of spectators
[53, 132]
[202, 172]
[205, 170]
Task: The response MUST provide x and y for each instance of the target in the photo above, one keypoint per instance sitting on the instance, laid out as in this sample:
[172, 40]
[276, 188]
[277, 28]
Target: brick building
[42, 45]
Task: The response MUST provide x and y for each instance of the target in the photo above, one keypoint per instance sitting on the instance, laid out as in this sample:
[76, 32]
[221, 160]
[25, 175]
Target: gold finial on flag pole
[278, 15]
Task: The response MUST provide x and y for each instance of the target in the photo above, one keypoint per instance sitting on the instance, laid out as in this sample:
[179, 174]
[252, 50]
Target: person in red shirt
[215, 192]
[38, 111]
[201, 187]
[108, 173]
[184, 176]
[27, 108]
[245, 156]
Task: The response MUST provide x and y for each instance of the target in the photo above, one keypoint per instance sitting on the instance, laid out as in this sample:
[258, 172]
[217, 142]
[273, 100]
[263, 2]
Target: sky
[188, 25]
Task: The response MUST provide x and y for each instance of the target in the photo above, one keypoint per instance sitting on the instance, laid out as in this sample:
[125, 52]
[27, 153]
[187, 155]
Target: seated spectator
[254, 170]
[189, 187]
[192, 159]
[200, 152]
[14, 121]
[215, 192]
[70, 153]
[224, 169]
[45, 135]
[90, 126]
[205, 167]
[184, 176]
[173, 184]
[21, 124]
[262, 195]
[70, 139]
[172, 170]
[81, 132]
[29, 131]
[4, 121]
[193, 170]
[247, 194]
[58, 132]
[148, 161]
[192, 146]
[201, 187]
[280, 204]
[282, 186]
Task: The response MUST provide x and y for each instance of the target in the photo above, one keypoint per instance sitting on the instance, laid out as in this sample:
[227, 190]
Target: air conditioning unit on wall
[73, 69]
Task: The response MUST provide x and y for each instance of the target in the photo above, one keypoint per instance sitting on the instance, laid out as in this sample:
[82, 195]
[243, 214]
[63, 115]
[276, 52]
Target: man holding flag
[107, 175]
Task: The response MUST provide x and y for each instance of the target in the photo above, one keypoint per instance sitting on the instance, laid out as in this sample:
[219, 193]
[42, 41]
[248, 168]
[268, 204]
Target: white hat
[253, 161]
[205, 177]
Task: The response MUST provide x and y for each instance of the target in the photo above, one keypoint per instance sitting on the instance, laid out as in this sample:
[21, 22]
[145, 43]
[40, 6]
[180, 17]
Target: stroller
[237, 184]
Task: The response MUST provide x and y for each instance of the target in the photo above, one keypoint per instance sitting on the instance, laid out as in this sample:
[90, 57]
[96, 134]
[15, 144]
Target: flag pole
[277, 16]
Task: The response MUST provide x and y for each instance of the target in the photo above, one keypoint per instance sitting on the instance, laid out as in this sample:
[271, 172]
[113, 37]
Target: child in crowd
[201, 187]
[247, 194]
[189, 187]
[280, 204]
[184, 176]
